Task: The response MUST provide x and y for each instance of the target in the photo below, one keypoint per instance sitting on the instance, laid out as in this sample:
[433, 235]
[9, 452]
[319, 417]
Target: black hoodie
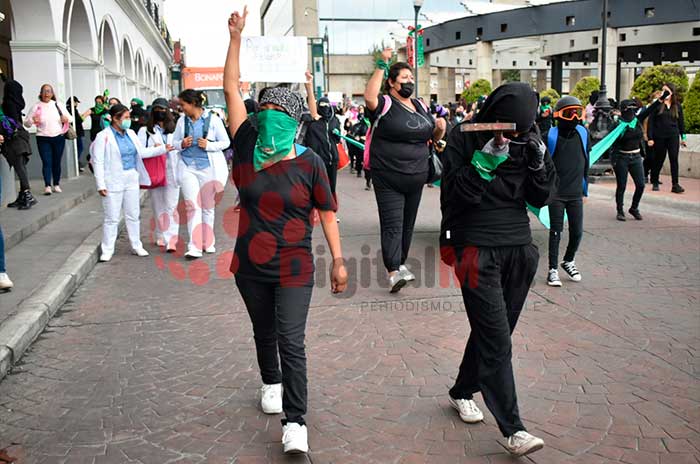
[481, 213]
[13, 101]
[320, 137]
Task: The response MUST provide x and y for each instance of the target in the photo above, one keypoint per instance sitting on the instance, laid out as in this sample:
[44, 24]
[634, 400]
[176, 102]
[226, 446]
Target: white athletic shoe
[407, 275]
[522, 443]
[553, 278]
[271, 398]
[211, 249]
[295, 438]
[468, 410]
[140, 252]
[397, 282]
[571, 271]
[5, 282]
[193, 254]
[106, 257]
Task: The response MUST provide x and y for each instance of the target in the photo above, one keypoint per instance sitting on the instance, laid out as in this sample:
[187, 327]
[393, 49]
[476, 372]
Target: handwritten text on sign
[274, 59]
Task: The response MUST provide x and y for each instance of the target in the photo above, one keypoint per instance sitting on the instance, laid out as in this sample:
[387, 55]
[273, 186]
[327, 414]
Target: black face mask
[406, 89]
[325, 111]
[565, 125]
[159, 116]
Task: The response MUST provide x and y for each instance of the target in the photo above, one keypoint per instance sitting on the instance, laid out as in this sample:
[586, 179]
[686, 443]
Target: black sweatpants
[574, 212]
[278, 315]
[632, 164]
[661, 146]
[332, 171]
[19, 164]
[398, 197]
[495, 282]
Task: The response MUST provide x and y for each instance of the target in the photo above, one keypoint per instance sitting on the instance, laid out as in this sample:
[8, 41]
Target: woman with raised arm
[280, 183]
[399, 156]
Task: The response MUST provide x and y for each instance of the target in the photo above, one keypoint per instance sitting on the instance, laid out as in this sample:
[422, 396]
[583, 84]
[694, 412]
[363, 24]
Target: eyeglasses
[570, 113]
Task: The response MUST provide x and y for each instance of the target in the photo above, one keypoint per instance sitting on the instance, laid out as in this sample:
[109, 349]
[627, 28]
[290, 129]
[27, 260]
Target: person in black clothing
[399, 157]
[280, 182]
[139, 116]
[16, 147]
[358, 132]
[626, 154]
[485, 234]
[569, 144]
[320, 137]
[544, 115]
[79, 130]
[666, 129]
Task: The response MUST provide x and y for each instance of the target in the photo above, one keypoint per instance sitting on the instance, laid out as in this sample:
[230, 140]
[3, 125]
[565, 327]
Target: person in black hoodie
[16, 148]
[626, 154]
[569, 143]
[321, 139]
[666, 129]
[485, 234]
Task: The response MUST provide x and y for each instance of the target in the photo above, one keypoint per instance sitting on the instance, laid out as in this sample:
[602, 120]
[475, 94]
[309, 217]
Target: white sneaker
[468, 410]
[553, 278]
[105, 257]
[295, 438]
[397, 282]
[271, 398]
[408, 275]
[140, 252]
[522, 443]
[160, 243]
[57, 189]
[193, 254]
[211, 249]
[571, 271]
[5, 282]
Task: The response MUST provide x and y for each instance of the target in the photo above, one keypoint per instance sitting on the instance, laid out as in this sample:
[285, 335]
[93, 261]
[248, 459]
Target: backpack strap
[584, 137]
[207, 123]
[552, 140]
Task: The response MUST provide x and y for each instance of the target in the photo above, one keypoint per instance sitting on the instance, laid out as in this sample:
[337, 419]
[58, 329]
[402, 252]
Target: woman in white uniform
[117, 160]
[202, 171]
[159, 131]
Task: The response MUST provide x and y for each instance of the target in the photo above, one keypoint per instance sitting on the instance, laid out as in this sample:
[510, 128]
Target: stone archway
[82, 33]
[129, 66]
[109, 53]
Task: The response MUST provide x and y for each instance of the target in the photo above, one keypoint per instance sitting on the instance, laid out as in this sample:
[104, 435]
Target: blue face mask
[125, 124]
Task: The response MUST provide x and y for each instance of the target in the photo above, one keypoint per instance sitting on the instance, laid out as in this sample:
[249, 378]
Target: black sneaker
[635, 214]
[571, 271]
[677, 189]
[655, 188]
[621, 216]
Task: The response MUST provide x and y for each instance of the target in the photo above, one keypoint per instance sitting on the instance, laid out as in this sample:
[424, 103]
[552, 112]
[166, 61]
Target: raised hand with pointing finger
[236, 22]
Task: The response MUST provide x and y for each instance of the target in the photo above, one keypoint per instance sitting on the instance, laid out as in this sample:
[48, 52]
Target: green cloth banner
[349, 140]
[596, 152]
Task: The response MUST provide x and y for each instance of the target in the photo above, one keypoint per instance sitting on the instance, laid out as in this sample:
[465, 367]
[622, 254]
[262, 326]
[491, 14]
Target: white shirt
[50, 124]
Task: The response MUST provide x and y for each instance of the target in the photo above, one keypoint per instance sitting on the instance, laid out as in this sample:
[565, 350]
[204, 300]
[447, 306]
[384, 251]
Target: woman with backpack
[50, 121]
[159, 131]
[399, 159]
[202, 172]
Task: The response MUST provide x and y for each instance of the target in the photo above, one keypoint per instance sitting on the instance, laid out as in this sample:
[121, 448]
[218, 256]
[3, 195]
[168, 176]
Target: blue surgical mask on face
[126, 124]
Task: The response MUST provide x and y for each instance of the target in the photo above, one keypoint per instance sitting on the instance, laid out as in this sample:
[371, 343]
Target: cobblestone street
[152, 360]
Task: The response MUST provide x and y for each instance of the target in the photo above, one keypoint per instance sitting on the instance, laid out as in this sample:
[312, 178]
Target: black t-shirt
[400, 141]
[273, 242]
[570, 163]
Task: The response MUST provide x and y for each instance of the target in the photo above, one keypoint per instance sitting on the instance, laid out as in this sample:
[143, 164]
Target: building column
[611, 61]
[496, 78]
[541, 80]
[113, 82]
[484, 60]
[424, 79]
[36, 63]
[626, 82]
[557, 72]
[446, 85]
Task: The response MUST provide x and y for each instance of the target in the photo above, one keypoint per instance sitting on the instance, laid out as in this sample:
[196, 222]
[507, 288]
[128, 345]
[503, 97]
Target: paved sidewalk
[152, 360]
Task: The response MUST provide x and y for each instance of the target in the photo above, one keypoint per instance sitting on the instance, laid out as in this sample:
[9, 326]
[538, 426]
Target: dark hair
[168, 123]
[117, 111]
[394, 72]
[251, 106]
[674, 101]
[192, 97]
[101, 97]
[53, 92]
[119, 102]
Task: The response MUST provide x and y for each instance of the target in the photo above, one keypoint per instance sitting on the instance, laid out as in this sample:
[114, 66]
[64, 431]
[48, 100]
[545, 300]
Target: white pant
[112, 205]
[198, 189]
[164, 203]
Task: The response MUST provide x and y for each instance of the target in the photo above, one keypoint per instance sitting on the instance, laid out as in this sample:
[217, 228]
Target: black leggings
[278, 315]
[661, 146]
[495, 283]
[398, 197]
[19, 164]
[574, 211]
[622, 164]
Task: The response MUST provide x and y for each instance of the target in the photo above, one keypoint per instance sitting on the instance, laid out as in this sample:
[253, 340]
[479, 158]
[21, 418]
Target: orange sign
[202, 78]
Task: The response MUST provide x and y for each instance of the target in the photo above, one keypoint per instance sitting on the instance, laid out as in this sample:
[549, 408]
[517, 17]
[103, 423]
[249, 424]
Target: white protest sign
[274, 59]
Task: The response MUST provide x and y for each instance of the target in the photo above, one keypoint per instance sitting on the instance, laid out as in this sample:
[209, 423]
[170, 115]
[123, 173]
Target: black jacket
[321, 139]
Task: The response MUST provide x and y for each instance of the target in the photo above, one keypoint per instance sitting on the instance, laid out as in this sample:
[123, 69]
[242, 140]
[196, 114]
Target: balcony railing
[154, 13]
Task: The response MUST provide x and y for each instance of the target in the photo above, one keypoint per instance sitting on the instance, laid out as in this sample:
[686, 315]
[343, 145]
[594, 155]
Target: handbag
[156, 167]
[434, 167]
[343, 158]
[68, 130]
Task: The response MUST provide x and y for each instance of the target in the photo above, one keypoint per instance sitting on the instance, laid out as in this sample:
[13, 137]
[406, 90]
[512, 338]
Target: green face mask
[276, 132]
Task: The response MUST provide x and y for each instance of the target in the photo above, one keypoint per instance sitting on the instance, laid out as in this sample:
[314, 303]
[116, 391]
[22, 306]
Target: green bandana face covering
[276, 132]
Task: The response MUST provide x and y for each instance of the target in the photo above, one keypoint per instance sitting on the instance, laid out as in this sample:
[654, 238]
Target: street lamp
[417, 4]
[601, 122]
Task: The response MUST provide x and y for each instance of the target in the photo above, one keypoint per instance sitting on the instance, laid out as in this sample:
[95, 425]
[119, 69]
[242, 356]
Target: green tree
[511, 75]
[551, 93]
[477, 89]
[585, 87]
[654, 77]
[691, 107]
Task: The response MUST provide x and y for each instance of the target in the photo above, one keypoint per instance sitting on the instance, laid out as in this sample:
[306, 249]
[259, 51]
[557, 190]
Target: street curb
[686, 206]
[26, 231]
[21, 329]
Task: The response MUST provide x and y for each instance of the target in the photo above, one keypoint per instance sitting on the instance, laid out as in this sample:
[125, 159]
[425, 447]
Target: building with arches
[84, 47]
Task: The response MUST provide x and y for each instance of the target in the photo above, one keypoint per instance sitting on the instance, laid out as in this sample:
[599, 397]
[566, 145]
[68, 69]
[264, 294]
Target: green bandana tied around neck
[100, 108]
[276, 133]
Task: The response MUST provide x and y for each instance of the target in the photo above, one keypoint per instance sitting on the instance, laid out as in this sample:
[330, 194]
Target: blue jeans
[2, 241]
[51, 152]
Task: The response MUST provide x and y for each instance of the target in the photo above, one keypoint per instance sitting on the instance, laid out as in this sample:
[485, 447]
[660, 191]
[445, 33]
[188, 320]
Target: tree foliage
[585, 87]
[511, 75]
[552, 94]
[477, 89]
[691, 107]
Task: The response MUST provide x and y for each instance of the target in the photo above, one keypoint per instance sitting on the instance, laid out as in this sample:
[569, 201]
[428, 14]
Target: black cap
[160, 103]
